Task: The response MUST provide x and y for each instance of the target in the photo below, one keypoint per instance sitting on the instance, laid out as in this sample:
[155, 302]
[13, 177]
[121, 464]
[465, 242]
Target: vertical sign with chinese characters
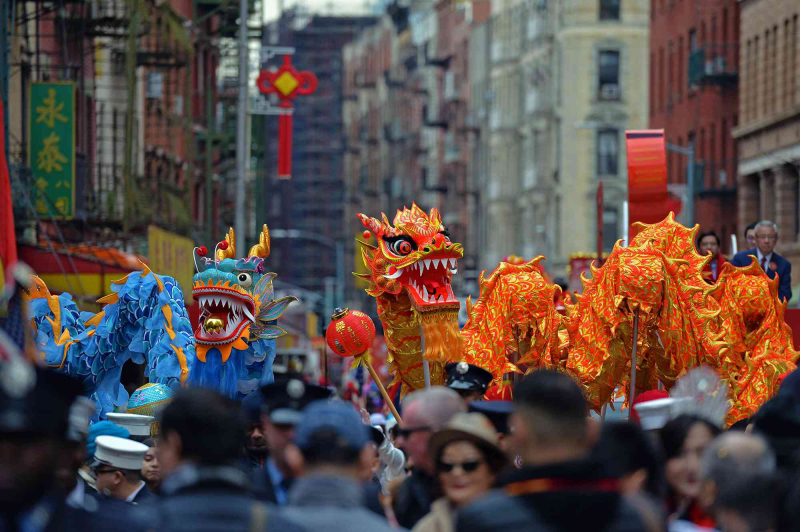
[51, 148]
[172, 255]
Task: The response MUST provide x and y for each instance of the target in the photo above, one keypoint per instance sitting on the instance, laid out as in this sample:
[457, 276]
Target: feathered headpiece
[701, 393]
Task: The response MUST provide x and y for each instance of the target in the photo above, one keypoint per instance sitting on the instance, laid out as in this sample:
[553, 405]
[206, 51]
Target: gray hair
[742, 467]
[439, 404]
[739, 453]
[766, 223]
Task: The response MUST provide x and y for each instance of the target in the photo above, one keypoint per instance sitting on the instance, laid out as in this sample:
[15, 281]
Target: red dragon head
[415, 257]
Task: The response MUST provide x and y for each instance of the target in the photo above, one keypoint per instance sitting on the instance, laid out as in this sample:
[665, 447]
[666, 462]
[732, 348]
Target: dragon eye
[401, 247]
[245, 280]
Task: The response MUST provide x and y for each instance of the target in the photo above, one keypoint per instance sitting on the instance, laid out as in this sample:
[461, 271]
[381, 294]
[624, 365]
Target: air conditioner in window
[709, 67]
[723, 178]
[721, 63]
[609, 92]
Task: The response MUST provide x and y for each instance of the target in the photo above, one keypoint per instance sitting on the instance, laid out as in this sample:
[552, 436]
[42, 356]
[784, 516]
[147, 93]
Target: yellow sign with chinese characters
[51, 148]
[172, 255]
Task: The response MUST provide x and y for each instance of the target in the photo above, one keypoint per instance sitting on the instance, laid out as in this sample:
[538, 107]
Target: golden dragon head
[414, 254]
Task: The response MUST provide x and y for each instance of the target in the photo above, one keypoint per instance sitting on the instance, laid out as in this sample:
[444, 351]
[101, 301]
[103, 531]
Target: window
[692, 40]
[608, 74]
[607, 151]
[610, 228]
[609, 9]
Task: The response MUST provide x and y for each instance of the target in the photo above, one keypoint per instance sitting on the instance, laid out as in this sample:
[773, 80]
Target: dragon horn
[230, 251]
[262, 249]
[372, 224]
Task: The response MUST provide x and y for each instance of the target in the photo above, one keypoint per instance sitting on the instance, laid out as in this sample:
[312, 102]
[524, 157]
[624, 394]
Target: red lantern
[350, 333]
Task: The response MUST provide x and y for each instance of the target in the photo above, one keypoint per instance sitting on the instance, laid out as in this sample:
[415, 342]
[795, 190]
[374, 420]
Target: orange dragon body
[736, 326]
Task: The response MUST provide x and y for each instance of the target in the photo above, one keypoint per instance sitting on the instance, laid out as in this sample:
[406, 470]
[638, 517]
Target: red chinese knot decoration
[350, 333]
[287, 82]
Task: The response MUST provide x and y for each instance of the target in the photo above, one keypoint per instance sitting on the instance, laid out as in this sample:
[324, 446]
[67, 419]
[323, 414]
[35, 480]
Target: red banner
[647, 177]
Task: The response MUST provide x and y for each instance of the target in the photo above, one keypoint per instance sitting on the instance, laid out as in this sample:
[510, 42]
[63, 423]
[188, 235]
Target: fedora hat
[474, 428]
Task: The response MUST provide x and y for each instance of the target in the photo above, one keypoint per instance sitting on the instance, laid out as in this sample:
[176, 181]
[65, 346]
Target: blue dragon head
[238, 312]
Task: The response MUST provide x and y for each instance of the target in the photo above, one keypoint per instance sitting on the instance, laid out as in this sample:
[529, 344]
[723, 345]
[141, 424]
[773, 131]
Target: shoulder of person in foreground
[334, 519]
[498, 511]
[109, 516]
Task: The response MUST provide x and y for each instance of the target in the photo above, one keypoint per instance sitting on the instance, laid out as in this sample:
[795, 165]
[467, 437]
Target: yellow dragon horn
[261, 249]
[230, 252]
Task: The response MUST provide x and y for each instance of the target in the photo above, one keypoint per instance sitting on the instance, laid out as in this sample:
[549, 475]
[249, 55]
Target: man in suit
[772, 263]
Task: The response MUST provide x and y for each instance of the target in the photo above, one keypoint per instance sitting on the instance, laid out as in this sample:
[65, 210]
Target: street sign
[51, 148]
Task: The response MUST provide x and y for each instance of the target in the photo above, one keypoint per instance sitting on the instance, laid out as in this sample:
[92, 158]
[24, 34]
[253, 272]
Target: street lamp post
[688, 152]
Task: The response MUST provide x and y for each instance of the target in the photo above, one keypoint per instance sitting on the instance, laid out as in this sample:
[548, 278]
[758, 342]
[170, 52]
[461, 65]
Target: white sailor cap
[653, 415]
[137, 425]
[120, 453]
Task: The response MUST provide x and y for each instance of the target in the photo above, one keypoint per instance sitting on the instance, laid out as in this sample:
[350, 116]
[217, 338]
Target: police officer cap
[467, 377]
[35, 401]
[498, 413]
[285, 398]
[119, 453]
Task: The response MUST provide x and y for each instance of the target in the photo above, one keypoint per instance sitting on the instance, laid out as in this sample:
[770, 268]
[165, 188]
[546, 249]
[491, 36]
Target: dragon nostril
[426, 249]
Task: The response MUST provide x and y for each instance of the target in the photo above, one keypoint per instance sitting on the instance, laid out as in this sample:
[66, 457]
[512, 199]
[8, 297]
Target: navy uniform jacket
[53, 514]
[145, 497]
[777, 266]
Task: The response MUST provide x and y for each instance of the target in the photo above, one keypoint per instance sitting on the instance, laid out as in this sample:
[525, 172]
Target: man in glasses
[424, 412]
[284, 401]
[118, 470]
[766, 234]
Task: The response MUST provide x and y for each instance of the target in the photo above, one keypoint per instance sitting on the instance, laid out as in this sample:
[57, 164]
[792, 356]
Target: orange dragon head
[414, 257]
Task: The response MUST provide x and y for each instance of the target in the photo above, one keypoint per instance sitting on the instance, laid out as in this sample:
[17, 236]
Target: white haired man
[772, 263]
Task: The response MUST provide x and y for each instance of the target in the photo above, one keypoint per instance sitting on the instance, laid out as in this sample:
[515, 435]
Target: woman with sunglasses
[468, 458]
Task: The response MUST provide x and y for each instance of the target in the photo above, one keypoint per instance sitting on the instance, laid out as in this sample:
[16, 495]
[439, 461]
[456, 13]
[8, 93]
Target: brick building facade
[768, 135]
[693, 86]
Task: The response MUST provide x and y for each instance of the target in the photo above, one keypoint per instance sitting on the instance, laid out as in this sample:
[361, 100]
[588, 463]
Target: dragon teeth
[436, 263]
[427, 263]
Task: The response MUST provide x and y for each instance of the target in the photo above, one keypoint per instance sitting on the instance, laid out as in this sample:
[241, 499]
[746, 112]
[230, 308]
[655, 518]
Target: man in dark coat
[203, 489]
[284, 401]
[331, 458]
[424, 412]
[561, 487]
[772, 263]
[34, 408]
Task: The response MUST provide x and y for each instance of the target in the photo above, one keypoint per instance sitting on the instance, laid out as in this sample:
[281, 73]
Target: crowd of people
[294, 457]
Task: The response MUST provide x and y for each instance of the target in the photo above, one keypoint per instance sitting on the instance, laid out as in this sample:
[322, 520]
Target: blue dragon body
[145, 320]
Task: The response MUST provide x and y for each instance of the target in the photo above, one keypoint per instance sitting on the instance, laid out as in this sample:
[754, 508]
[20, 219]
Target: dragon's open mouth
[224, 314]
[428, 280]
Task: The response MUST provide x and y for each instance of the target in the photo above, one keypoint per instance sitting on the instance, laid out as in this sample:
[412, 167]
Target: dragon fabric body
[144, 320]
[411, 269]
[735, 326]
